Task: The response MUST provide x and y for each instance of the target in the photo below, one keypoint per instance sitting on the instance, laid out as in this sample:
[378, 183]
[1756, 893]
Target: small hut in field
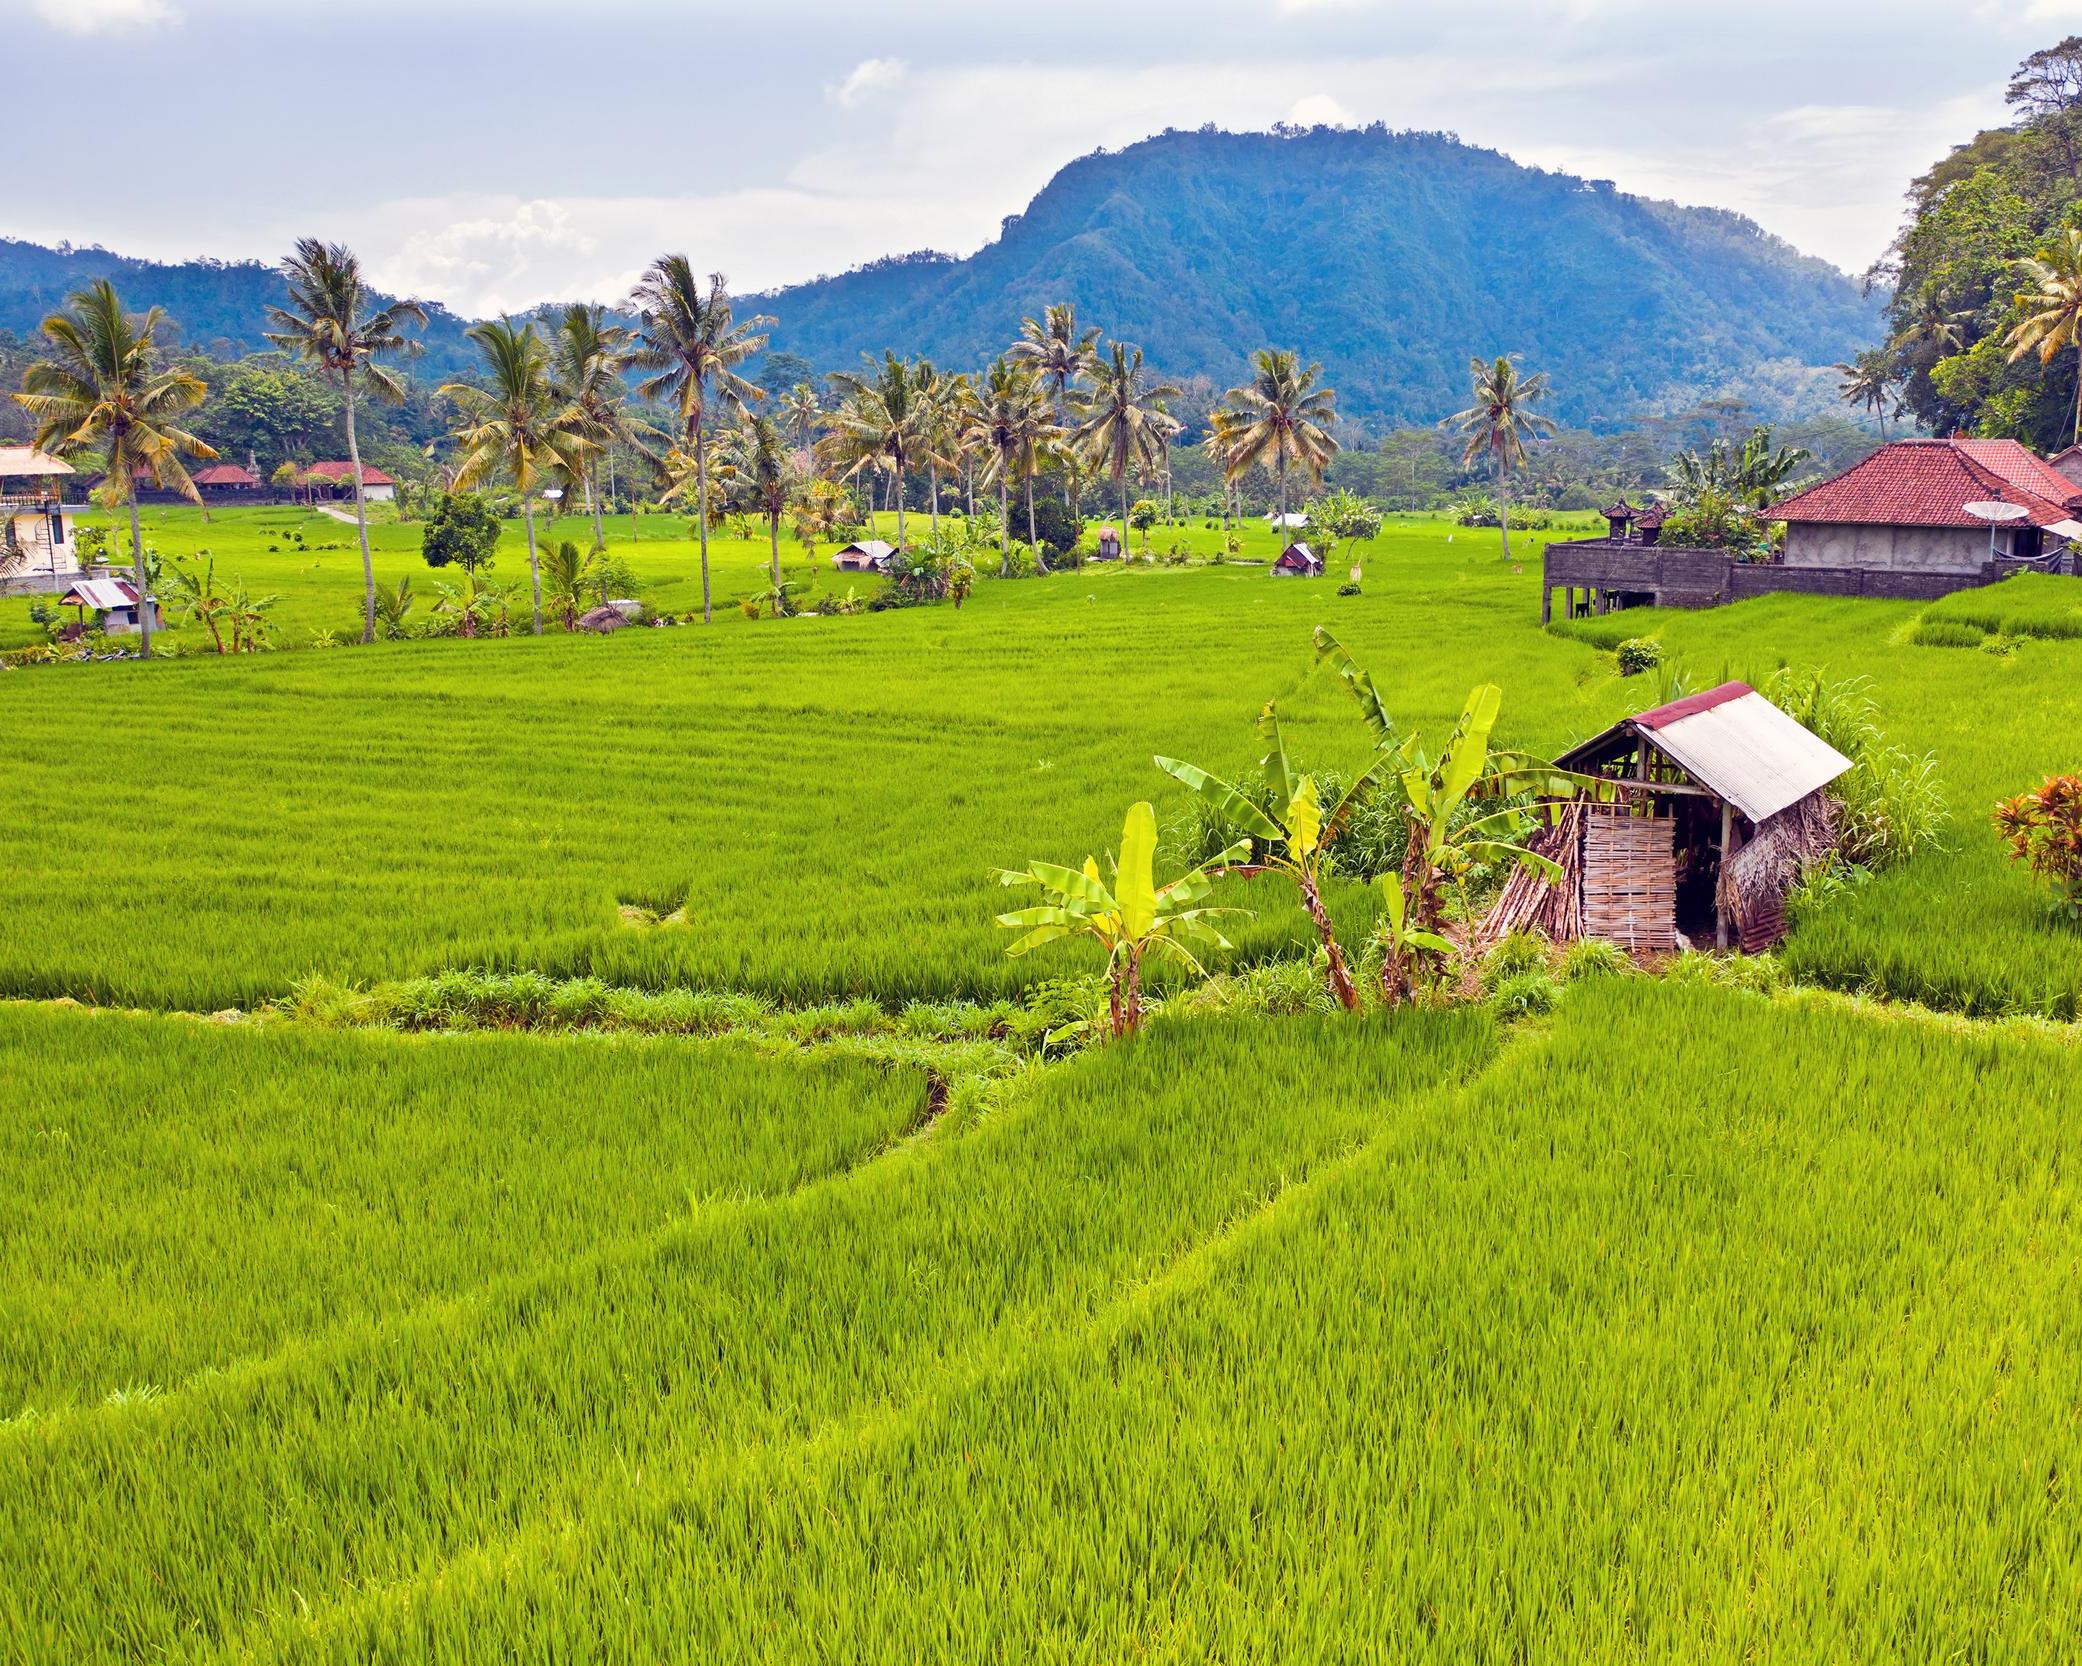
[1298, 561]
[113, 600]
[865, 555]
[1708, 809]
[1109, 545]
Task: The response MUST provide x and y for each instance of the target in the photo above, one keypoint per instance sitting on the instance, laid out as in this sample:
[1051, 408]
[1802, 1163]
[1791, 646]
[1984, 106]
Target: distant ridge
[1389, 257]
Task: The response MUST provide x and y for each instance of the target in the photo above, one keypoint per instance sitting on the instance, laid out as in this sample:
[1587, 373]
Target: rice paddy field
[841, 1323]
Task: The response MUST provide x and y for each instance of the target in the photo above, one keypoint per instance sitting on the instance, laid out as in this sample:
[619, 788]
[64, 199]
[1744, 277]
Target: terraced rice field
[1677, 1322]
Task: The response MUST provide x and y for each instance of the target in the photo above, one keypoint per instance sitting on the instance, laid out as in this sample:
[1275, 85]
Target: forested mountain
[218, 307]
[1390, 257]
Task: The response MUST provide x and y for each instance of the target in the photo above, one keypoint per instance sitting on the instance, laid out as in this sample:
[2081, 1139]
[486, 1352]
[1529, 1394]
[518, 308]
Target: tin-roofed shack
[1716, 803]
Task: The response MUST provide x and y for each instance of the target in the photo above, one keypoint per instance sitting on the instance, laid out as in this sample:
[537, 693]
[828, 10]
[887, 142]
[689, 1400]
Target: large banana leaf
[1371, 706]
[1279, 773]
[1233, 806]
[1304, 820]
[1135, 880]
[1468, 754]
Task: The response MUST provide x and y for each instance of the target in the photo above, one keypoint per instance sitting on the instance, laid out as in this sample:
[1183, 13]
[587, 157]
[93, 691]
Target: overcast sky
[494, 153]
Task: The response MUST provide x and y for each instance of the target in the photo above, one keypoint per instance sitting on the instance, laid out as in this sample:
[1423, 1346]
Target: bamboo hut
[1713, 805]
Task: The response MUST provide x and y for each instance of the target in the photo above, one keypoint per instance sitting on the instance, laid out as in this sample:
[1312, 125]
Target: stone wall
[1886, 548]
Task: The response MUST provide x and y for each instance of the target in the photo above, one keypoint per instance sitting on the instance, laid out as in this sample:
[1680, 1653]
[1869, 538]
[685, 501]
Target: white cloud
[93, 17]
[1320, 110]
[868, 79]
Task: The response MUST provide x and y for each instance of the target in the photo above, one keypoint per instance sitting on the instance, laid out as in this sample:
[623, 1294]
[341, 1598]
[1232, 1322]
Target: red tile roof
[226, 474]
[370, 475]
[1925, 483]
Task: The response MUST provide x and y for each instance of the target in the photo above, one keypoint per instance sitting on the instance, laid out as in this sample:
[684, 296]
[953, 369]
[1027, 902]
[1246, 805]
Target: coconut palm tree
[331, 322]
[800, 410]
[515, 426]
[692, 343]
[1280, 417]
[1059, 355]
[1009, 407]
[588, 355]
[1498, 424]
[941, 417]
[103, 391]
[1933, 325]
[882, 421]
[1122, 428]
[2051, 302]
[1868, 380]
[1219, 445]
[765, 477]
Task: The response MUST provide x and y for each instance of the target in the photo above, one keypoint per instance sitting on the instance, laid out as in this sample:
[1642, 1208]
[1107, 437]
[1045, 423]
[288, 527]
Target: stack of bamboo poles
[1530, 900]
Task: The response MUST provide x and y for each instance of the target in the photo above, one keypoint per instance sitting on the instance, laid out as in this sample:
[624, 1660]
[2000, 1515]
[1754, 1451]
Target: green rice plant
[1948, 633]
[185, 1196]
[1544, 1371]
[373, 1452]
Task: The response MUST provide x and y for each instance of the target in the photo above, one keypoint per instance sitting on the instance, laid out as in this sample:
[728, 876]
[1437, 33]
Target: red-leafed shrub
[2044, 831]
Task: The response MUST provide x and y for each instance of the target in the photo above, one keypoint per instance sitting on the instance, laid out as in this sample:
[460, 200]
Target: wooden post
[1546, 603]
[1720, 914]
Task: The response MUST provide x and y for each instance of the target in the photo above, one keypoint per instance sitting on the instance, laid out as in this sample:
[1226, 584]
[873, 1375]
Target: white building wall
[1885, 548]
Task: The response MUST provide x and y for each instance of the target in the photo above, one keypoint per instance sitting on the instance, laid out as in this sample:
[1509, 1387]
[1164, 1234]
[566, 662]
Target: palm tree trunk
[1033, 537]
[1004, 526]
[361, 515]
[933, 471]
[1503, 502]
[2078, 390]
[534, 566]
[700, 515]
[137, 567]
[773, 541]
[593, 496]
[1280, 463]
[898, 487]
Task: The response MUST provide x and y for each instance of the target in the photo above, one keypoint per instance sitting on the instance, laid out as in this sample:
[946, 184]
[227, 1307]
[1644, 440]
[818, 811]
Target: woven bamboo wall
[1630, 880]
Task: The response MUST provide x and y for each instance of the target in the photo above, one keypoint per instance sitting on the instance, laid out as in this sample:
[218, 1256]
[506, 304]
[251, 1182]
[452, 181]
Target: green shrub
[1638, 654]
[1592, 957]
[1947, 633]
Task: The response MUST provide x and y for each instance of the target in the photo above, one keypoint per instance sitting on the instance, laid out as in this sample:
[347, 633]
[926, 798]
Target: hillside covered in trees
[1389, 257]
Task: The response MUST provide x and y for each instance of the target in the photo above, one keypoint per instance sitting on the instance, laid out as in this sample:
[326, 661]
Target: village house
[113, 601]
[1917, 520]
[230, 482]
[1298, 561]
[37, 555]
[376, 486]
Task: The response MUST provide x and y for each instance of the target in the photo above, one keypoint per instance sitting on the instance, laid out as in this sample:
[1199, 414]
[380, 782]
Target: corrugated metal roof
[100, 593]
[1741, 747]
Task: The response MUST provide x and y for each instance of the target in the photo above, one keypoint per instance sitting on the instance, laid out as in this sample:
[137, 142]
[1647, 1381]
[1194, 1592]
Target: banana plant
[1293, 839]
[1132, 918]
[1435, 795]
[1404, 945]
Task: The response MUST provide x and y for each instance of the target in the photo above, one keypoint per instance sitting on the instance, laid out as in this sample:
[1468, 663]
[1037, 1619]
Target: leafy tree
[1133, 919]
[103, 393]
[1498, 423]
[197, 597]
[265, 408]
[331, 322]
[1142, 517]
[474, 603]
[463, 531]
[1339, 518]
[515, 426]
[1281, 415]
[691, 342]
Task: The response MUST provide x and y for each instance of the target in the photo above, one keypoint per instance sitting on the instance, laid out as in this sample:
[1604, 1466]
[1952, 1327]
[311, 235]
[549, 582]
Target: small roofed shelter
[1298, 561]
[865, 555]
[114, 599]
[231, 479]
[1709, 808]
[1648, 525]
[1293, 521]
[1109, 545]
[603, 620]
[1618, 518]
